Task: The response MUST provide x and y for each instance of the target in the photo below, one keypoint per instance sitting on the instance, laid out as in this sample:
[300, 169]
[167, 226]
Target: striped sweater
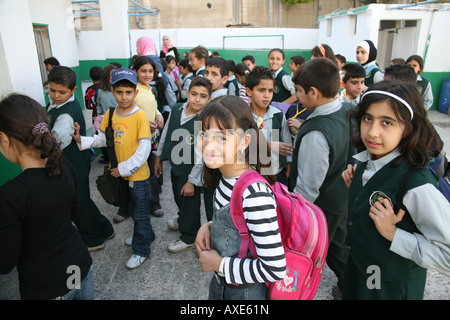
[259, 209]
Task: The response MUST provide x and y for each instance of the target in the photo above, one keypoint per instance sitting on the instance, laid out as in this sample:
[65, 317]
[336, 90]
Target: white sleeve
[137, 160]
[429, 210]
[62, 129]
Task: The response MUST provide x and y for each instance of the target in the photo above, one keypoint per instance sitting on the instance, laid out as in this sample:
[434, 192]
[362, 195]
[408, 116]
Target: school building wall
[426, 37]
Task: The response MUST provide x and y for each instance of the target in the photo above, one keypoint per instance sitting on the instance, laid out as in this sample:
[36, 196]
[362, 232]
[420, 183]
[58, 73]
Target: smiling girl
[226, 138]
[284, 90]
[396, 134]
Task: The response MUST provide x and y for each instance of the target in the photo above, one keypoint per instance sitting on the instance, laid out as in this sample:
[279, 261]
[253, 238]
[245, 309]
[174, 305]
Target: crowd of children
[342, 134]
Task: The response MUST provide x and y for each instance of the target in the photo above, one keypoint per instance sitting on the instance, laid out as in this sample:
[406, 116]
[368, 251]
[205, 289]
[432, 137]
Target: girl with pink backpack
[229, 141]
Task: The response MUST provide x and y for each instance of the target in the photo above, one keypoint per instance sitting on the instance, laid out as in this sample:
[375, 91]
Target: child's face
[261, 94]
[220, 148]
[171, 65]
[293, 67]
[212, 73]
[198, 97]
[415, 65]
[381, 132]
[249, 64]
[124, 96]
[145, 74]
[59, 93]
[362, 55]
[354, 86]
[304, 98]
[195, 62]
[276, 60]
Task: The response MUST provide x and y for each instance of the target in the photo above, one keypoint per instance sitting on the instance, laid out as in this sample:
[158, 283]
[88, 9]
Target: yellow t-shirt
[146, 100]
[128, 130]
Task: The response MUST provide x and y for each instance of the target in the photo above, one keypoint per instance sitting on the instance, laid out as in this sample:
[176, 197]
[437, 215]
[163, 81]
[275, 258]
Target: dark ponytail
[24, 120]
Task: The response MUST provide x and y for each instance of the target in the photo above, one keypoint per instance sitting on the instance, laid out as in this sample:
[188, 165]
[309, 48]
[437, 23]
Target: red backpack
[304, 234]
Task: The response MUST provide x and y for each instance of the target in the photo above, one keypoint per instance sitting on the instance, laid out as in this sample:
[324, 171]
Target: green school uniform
[333, 193]
[280, 93]
[182, 164]
[92, 225]
[399, 278]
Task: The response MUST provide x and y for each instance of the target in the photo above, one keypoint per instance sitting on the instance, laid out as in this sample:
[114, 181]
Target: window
[352, 25]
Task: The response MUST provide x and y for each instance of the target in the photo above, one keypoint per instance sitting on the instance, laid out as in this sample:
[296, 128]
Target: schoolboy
[296, 62]
[259, 87]
[185, 173]
[249, 60]
[320, 153]
[132, 145]
[353, 77]
[186, 77]
[232, 83]
[63, 111]
[217, 72]
[90, 96]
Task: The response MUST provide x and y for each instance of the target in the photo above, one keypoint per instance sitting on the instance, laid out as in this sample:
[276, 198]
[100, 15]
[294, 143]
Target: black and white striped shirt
[259, 209]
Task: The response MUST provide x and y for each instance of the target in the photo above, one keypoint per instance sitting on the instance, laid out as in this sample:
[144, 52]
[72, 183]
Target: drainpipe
[270, 13]
[138, 18]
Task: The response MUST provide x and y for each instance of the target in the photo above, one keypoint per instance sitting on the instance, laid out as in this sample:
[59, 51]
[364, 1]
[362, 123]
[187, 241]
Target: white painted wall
[57, 14]
[19, 66]
[437, 23]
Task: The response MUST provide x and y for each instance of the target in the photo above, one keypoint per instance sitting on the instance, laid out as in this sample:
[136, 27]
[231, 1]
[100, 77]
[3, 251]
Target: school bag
[304, 234]
[90, 98]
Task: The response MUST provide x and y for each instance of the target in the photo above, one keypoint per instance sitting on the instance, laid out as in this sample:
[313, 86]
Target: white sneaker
[172, 224]
[178, 246]
[135, 261]
[129, 241]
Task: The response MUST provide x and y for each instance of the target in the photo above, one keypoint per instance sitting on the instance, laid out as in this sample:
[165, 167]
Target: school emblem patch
[377, 196]
[276, 89]
[190, 139]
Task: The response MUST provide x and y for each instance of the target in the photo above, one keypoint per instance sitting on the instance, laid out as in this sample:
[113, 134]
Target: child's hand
[158, 167]
[209, 260]
[203, 239]
[160, 122]
[76, 135]
[115, 172]
[347, 175]
[281, 148]
[385, 219]
[187, 190]
[294, 123]
[153, 126]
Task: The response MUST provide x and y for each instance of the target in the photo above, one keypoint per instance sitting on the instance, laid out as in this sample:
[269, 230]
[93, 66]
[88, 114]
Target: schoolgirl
[423, 85]
[284, 90]
[366, 54]
[225, 140]
[390, 251]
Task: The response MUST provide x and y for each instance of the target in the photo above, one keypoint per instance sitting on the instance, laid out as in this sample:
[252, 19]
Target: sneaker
[135, 261]
[118, 218]
[172, 224]
[100, 246]
[129, 241]
[178, 246]
[158, 213]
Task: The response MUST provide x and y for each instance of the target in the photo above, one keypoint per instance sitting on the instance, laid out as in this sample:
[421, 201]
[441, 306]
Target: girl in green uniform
[391, 251]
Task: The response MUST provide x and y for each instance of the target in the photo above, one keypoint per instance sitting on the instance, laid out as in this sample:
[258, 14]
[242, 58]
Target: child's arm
[429, 210]
[137, 160]
[62, 129]
[97, 141]
[312, 169]
[289, 85]
[347, 175]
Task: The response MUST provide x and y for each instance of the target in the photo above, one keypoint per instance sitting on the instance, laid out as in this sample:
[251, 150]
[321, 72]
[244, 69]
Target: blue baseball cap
[123, 74]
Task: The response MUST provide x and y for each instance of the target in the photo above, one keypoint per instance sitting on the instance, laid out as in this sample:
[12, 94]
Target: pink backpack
[304, 234]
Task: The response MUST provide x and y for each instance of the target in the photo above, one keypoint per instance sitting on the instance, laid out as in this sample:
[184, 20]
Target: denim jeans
[139, 206]
[226, 241]
[86, 291]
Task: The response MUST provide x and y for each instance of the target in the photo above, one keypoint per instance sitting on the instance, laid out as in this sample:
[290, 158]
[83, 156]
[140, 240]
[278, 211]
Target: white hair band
[406, 104]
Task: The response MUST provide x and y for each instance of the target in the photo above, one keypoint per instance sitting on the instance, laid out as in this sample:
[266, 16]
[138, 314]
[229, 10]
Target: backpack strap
[237, 213]
[109, 133]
